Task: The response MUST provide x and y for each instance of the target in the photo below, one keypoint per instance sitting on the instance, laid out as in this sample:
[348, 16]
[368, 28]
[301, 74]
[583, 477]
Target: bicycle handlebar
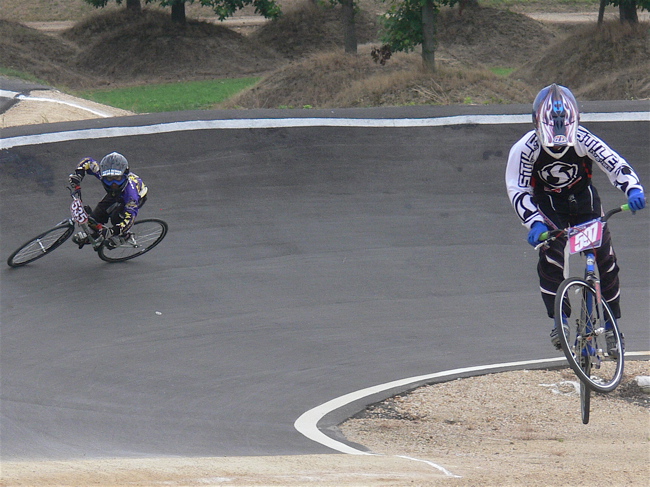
[553, 233]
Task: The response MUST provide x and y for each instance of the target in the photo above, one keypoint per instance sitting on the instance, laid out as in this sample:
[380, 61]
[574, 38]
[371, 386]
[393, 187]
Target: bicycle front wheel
[583, 340]
[145, 235]
[41, 245]
[585, 394]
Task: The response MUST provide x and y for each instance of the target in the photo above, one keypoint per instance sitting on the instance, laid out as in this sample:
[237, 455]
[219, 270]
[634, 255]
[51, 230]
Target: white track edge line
[307, 423]
[63, 102]
[265, 123]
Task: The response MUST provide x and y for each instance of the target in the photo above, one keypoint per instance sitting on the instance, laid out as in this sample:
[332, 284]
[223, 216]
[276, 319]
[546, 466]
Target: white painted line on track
[267, 123]
[21, 97]
[431, 464]
[307, 423]
[68, 103]
[8, 94]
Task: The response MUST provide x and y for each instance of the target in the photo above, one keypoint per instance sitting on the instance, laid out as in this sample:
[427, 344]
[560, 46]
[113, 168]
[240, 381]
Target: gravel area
[517, 428]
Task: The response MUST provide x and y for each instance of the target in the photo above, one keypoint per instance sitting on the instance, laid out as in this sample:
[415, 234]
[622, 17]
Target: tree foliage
[226, 8]
[223, 8]
[410, 23]
[642, 4]
[402, 23]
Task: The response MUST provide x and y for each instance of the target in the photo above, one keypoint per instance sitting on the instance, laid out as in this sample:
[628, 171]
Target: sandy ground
[518, 428]
[50, 106]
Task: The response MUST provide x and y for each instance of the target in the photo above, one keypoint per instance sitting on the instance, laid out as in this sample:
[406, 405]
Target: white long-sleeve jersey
[531, 169]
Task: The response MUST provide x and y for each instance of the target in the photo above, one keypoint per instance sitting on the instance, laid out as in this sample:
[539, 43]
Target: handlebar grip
[625, 207]
[544, 236]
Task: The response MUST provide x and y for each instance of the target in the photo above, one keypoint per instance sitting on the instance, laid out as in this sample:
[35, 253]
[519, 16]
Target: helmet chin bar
[553, 153]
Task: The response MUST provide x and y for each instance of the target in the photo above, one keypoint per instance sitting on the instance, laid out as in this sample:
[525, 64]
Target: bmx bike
[143, 236]
[589, 334]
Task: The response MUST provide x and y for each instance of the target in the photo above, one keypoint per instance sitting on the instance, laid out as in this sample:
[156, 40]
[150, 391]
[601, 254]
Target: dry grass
[301, 57]
[305, 29]
[611, 61]
[316, 81]
[152, 47]
[448, 85]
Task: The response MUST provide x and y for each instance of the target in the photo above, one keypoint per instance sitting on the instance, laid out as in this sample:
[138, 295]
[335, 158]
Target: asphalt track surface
[302, 263]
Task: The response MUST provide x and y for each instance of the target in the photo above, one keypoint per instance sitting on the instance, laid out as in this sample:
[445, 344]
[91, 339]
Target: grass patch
[12, 73]
[502, 72]
[170, 97]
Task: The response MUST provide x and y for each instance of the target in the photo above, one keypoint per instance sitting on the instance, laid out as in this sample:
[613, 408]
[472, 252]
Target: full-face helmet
[114, 170]
[556, 117]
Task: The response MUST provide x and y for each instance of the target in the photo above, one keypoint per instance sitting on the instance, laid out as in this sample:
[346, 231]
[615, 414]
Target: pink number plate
[586, 236]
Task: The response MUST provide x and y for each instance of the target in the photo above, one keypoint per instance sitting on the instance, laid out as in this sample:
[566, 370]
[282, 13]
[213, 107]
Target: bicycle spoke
[40, 245]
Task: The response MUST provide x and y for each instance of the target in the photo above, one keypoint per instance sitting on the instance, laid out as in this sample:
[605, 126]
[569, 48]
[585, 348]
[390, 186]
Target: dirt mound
[46, 57]
[483, 36]
[610, 62]
[605, 62]
[120, 48]
[308, 28]
[491, 37]
[314, 81]
[150, 47]
[449, 85]
[335, 79]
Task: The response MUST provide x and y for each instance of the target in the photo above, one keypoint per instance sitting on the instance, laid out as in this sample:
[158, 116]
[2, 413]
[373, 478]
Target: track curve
[302, 263]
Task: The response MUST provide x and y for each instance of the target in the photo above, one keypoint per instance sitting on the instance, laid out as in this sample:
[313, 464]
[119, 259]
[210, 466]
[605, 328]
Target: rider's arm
[619, 172]
[87, 165]
[519, 173]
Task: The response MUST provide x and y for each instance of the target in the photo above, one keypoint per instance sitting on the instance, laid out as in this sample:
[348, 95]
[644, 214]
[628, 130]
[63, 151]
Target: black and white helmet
[113, 170]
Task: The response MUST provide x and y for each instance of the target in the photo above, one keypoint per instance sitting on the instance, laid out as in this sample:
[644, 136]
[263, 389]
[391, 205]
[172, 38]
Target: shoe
[555, 337]
[80, 238]
[612, 344]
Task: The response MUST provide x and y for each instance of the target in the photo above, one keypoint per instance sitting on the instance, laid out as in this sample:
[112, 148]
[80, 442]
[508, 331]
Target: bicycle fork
[586, 339]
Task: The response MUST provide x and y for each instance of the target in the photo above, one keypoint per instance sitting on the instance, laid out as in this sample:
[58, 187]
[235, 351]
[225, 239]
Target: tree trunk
[178, 12]
[601, 11]
[627, 11]
[134, 6]
[350, 33]
[429, 16]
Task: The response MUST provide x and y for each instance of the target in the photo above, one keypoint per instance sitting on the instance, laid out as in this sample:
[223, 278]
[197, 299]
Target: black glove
[75, 181]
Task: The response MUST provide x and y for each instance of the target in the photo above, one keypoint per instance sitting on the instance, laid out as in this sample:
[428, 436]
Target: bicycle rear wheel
[577, 314]
[145, 235]
[41, 245]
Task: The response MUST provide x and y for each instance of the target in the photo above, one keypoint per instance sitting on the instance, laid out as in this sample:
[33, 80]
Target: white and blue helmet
[556, 117]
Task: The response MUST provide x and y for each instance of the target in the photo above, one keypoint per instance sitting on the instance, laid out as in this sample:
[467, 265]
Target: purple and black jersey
[130, 198]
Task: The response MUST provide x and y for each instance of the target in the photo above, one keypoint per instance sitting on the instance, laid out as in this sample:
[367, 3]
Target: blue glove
[535, 231]
[636, 199]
